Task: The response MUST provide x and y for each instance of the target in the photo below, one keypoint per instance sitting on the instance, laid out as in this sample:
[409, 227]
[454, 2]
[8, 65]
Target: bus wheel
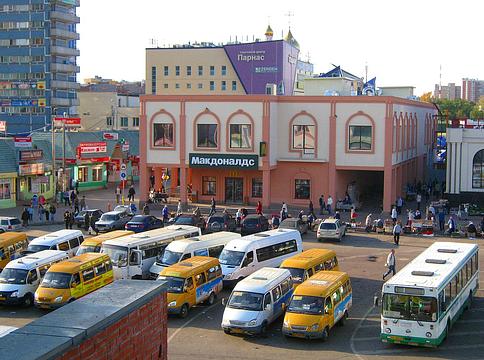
[342, 321]
[184, 311]
[28, 300]
[447, 330]
[263, 330]
[211, 299]
[325, 334]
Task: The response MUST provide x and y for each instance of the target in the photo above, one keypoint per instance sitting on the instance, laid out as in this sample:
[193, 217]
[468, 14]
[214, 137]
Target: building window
[302, 189]
[189, 71]
[212, 70]
[189, 85]
[124, 121]
[212, 85]
[153, 79]
[478, 170]
[303, 138]
[177, 70]
[5, 189]
[200, 70]
[207, 135]
[224, 85]
[240, 136]
[224, 70]
[359, 137]
[97, 174]
[209, 185]
[163, 135]
[177, 86]
[165, 70]
[82, 174]
[234, 85]
[200, 85]
[165, 86]
[109, 121]
[136, 121]
[256, 188]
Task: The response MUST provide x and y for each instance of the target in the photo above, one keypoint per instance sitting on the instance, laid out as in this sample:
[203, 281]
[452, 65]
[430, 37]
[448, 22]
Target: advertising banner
[31, 169]
[22, 142]
[69, 122]
[92, 147]
[224, 161]
[110, 136]
[29, 155]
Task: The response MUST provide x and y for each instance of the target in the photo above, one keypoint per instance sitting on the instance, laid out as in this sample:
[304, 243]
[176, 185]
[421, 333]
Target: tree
[426, 97]
[456, 109]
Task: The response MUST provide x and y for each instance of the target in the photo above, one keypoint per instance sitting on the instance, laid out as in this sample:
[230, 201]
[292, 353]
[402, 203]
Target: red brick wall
[140, 335]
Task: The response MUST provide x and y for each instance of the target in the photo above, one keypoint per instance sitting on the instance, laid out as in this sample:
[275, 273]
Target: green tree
[456, 109]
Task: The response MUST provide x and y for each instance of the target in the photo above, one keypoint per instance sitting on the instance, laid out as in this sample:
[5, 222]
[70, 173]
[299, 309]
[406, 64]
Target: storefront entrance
[234, 190]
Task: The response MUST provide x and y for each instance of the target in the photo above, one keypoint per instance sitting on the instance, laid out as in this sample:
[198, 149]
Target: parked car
[113, 220]
[190, 219]
[253, 224]
[139, 223]
[79, 218]
[221, 222]
[8, 223]
[331, 229]
[294, 224]
[126, 208]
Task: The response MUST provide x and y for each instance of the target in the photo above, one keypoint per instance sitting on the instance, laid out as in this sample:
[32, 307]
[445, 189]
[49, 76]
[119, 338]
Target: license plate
[2, 298]
[237, 331]
[299, 335]
[396, 338]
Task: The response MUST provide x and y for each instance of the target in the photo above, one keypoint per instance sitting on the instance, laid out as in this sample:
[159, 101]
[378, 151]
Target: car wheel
[211, 299]
[342, 321]
[184, 311]
[325, 334]
[28, 300]
[227, 331]
[263, 330]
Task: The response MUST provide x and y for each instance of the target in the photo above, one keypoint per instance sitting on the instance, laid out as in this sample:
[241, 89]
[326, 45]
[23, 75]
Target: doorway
[234, 190]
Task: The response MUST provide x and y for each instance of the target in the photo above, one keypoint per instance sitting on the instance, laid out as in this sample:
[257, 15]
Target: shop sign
[224, 161]
[125, 146]
[31, 169]
[67, 122]
[3, 126]
[110, 136]
[92, 147]
[28, 155]
[22, 142]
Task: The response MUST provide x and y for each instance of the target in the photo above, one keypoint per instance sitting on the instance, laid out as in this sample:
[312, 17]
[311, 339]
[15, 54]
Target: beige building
[405, 92]
[108, 111]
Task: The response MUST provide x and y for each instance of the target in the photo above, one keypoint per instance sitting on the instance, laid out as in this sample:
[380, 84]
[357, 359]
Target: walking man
[25, 218]
[394, 215]
[419, 200]
[76, 205]
[311, 209]
[399, 205]
[212, 207]
[330, 204]
[82, 203]
[131, 193]
[118, 194]
[67, 218]
[179, 208]
[321, 205]
[441, 220]
[397, 229]
[390, 264]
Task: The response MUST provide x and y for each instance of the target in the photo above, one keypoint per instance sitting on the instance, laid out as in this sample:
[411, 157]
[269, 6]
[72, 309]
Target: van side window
[267, 300]
[99, 269]
[276, 293]
[189, 283]
[285, 286]
[211, 273]
[318, 268]
[200, 252]
[80, 239]
[215, 251]
[108, 265]
[88, 274]
[43, 269]
[200, 279]
[310, 272]
[186, 256]
[336, 296]
[73, 243]
[335, 262]
[32, 276]
[327, 305]
[63, 246]
[76, 279]
[249, 258]
[3, 256]
[328, 264]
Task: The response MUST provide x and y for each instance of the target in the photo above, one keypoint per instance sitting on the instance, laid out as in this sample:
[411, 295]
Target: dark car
[253, 224]
[113, 220]
[190, 219]
[220, 222]
[140, 223]
[79, 218]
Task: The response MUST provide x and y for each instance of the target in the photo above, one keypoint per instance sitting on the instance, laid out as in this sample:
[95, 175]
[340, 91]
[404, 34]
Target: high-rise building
[449, 92]
[472, 89]
[38, 62]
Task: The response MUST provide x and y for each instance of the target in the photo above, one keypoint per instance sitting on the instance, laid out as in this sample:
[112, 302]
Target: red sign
[28, 155]
[68, 122]
[110, 136]
[22, 142]
[92, 147]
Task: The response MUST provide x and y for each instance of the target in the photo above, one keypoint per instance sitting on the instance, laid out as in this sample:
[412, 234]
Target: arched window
[303, 130]
[478, 170]
[207, 131]
[360, 129]
[240, 129]
[162, 130]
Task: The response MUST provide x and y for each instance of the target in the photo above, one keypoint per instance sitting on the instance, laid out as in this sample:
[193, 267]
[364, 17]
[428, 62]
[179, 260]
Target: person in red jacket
[258, 209]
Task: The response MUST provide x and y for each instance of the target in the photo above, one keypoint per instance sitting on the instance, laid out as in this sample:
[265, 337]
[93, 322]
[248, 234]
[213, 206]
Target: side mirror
[268, 307]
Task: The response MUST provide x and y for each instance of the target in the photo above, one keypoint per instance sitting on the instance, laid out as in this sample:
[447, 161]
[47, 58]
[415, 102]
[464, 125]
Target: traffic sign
[122, 174]
[123, 166]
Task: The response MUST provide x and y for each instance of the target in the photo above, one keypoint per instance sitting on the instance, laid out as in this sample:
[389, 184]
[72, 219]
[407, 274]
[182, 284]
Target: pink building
[242, 149]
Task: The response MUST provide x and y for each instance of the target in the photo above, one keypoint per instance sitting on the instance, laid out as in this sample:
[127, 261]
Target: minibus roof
[10, 238]
[99, 239]
[307, 258]
[76, 263]
[52, 238]
[262, 280]
[33, 260]
[322, 283]
[207, 240]
[190, 267]
[260, 238]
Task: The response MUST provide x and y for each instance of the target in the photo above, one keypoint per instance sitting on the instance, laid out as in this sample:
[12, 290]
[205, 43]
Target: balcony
[58, 84]
[64, 34]
[64, 102]
[64, 17]
[67, 2]
[67, 68]
[64, 51]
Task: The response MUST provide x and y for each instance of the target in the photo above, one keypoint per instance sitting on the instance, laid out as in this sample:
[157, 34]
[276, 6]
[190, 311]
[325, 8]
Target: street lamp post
[64, 152]
[54, 175]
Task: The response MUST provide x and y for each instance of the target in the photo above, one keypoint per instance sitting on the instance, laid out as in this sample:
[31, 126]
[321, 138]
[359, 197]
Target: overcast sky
[403, 42]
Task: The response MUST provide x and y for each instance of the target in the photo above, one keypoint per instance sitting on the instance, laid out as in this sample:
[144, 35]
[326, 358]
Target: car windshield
[288, 224]
[184, 220]
[230, 257]
[297, 274]
[121, 208]
[170, 257]
[214, 219]
[88, 249]
[409, 307]
[174, 284]
[13, 276]
[36, 248]
[306, 305]
[56, 280]
[108, 217]
[246, 301]
[118, 254]
[15, 221]
[138, 218]
[81, 213]
[328, 226]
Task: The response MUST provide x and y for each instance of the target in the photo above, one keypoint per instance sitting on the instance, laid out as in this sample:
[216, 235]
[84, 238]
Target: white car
[331, 229]
[8, 223]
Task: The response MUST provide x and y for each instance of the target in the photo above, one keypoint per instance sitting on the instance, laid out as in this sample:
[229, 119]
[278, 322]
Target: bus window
[276, 293]
[109, 265]
[186, 256]
[267, 300]
[248, 259]
[189, 283]
[336, 297]
[32, 276]
[200, 279]
[328, 305]
[73, 243]
[76, 280]
[88, 274]
[63, 246]
[318, 268]
[285, 286]
[200, 252]
[99, 269]
[310, 272]
[3, 256]
[215, 251]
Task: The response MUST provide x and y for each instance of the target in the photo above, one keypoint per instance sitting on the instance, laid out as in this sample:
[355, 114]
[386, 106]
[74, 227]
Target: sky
[402, 42]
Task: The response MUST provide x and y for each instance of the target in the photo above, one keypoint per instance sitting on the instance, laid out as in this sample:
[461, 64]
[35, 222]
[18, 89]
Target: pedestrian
[353, 215]
[146, 209]
[133, 208]
[117, 192]
[321, 205]
[92, 224]
[53, 210]
[71, 219]
[283, 211]
[238, 216]
[86, 221]
[390, 264]
[410, 218]
[419, 200]
[329, 204]
[77, 187]
[25, 217]
[397, 229]
[258, 209]
[67, 201]
[471, 230]
[131, 193]
[165, 213]
[275, 221]
[212, 207]
[310, 221]
[394, 215]
[76, 205]
[73, 197]
[337, 215]
[179, 208]
[47, 212]
[152, 181]
[30, 210]
[41, 212]
[368, 223]
[109, 207]
[82, 203]
[300, 215]
[451, 225]
[311, 209]
[441, 220]
[67, 218]
[399, 204]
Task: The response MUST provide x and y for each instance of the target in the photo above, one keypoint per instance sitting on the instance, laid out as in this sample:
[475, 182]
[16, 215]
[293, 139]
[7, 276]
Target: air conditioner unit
[271, 89]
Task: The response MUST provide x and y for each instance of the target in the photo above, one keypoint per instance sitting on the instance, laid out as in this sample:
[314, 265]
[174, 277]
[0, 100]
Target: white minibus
[63, 240]
[179, 250]
[257, 301]
[21, 277]
[133, 255]
[241, 257]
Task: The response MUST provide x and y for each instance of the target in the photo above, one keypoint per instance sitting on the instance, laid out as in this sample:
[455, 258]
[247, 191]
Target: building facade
[449, 92]
[244, 149]
[38, 65]
[472, 89]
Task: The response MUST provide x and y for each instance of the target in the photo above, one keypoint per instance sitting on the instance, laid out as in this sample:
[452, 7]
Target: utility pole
[53, 110]
[64, 173]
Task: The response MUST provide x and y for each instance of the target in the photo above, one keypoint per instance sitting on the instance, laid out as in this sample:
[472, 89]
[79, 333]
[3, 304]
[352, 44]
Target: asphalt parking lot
[363, 257]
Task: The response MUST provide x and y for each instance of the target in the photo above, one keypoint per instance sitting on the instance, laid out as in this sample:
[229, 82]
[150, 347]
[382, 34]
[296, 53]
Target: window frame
[360, 148]
[240, 136]
[478, 162]
[165, 145]
[259, 188]
[216, 136]
[301, 197]
[304, 148]
[205, 179]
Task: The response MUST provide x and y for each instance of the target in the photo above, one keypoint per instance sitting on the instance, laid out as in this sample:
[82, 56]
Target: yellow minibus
[11, 246]
[93, 244]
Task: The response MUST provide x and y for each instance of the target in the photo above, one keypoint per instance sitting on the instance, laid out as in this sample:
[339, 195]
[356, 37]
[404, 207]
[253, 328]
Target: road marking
[358, 327]
[190, 321]
[369, 338]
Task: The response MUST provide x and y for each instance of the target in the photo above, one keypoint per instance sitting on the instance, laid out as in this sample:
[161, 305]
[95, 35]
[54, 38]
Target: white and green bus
[422, 301]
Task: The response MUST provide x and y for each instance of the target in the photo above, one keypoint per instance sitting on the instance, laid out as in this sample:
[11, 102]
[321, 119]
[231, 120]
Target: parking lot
[363, 257]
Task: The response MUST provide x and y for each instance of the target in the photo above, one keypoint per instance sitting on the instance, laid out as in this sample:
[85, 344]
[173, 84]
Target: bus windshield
[170, 257]
[230, 257]
[13, 276]
[174, 284]
[312, 305]
[55, 280]
[409, 307]
[118, 254]
[246, 301]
